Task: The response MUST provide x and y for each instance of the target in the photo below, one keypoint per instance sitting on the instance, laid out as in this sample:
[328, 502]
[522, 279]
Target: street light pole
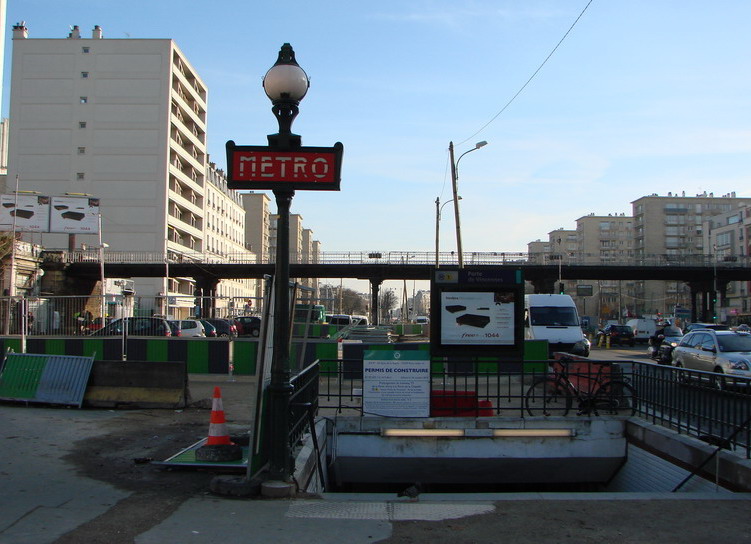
[438, 209]
[102, 245]
[285, 84]
[454, 180]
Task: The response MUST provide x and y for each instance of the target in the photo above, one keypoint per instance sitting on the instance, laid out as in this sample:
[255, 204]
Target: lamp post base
[276, 489]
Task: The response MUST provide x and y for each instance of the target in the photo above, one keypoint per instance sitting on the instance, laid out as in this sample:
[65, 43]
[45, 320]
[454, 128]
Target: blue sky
[643, 96]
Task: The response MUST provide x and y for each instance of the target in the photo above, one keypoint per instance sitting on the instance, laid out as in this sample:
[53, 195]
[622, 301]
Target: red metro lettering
[290, 167]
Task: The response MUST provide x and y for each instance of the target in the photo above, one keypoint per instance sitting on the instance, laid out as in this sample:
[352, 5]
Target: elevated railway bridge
[706, 275]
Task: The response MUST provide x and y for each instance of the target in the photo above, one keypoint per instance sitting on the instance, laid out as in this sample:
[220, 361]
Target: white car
[191, 328]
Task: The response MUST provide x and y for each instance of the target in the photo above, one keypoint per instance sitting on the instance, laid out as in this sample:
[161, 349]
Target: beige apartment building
[702, 228]
[606, 239]
[123, 120]
[672, 227]
[302, 249]
[727, 236]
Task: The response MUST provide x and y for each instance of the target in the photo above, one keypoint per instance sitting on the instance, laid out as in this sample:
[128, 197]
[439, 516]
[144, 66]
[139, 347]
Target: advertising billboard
[477, 313]
[25, 213]
[74, 215]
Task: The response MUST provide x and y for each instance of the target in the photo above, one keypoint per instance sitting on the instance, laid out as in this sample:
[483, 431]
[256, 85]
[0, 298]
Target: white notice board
[396, 383]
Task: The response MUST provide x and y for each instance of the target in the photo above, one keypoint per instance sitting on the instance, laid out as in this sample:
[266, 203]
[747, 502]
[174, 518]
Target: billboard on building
[25, 213]
[74, 215]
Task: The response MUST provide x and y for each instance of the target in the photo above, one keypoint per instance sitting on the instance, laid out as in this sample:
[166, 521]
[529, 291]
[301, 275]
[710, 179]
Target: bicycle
[554, 395]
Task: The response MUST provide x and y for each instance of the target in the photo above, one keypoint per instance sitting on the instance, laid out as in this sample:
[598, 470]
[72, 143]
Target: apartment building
[302, 248]
[726, 236]
[224, 241]
[603, 239]
[123, 120]
[672, 227]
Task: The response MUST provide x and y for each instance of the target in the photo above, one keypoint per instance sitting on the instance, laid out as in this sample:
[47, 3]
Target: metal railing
[495, 258]
[82, 315]
[689, 402]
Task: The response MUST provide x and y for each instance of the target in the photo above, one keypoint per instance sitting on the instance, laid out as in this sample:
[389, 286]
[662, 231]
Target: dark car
[175, 327]
[209, 328]
[664, 343]
[224, 327]
[710, 326]
[137, 326]
[251, 325]
[618, 334]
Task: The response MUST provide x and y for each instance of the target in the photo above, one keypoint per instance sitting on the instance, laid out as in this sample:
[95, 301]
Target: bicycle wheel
[547, 397]
[615, 399]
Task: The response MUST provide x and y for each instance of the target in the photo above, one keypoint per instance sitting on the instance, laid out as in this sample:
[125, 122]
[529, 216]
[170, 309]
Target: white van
[643, 329]
[554, 318]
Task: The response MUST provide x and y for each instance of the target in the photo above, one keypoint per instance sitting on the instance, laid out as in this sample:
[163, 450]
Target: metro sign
[263, 167]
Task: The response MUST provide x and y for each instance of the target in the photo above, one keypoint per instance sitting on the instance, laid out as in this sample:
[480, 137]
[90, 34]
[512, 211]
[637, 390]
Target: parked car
[209, 329]
[618, 334]
[136, 326]
[175, 328]
[191, 327]
[224, 327]
[662, 345]
[251, 325]
[712, 326]
[721, 352]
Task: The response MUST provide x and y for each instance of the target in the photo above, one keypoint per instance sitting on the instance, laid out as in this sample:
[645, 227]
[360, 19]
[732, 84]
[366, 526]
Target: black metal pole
[280, 389]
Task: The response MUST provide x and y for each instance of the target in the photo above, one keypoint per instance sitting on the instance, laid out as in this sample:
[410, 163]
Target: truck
[554, 318]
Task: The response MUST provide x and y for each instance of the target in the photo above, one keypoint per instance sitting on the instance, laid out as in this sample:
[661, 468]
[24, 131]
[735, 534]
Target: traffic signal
[561, 288]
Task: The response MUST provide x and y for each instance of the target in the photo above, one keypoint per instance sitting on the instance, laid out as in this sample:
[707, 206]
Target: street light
[438, 209]
[285, 84]
[454, 179]
[102, 245]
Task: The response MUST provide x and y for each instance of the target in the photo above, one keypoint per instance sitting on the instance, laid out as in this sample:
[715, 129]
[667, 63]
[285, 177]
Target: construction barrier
[48, 379]
[137, 384]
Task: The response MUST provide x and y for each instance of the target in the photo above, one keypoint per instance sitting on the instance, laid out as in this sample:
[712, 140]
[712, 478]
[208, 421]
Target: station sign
[263, 167]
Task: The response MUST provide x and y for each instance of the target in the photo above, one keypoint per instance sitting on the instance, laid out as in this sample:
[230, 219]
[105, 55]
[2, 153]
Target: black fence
[713, 408]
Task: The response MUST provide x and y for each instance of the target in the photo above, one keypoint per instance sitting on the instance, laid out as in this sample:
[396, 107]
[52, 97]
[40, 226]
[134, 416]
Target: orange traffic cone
[218, 446]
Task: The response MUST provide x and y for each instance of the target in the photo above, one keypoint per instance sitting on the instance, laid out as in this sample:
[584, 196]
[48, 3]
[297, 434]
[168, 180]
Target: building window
[84, 100]
[85, 50]
[81, 150]
[80, 176]
[82, 124]
[84, 75]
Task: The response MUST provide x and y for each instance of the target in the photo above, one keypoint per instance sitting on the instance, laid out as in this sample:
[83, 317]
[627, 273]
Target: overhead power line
[530, 77]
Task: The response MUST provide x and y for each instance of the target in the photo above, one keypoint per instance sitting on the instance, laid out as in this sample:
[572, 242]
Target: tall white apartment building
[123, 120]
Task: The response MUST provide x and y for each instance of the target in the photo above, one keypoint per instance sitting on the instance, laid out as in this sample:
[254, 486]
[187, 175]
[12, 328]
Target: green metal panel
[21, 375]
[198, 357]
[157, 350]
[55, 346]
[245, 355]
[93, 347]
[535, 350]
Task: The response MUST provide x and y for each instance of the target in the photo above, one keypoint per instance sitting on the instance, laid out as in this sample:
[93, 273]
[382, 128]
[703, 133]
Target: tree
[387, 301]
[353, 302]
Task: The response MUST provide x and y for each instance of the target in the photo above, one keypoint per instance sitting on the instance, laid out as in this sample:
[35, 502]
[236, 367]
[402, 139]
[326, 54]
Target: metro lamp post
[285, 84]
[454, 179]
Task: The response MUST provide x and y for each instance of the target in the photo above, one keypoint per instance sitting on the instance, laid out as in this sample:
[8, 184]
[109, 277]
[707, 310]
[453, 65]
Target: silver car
[721, 352]
[191, 327]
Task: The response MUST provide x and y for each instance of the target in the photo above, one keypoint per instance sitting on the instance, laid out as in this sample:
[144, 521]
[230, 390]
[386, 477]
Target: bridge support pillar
[375, 287]
[206, 296]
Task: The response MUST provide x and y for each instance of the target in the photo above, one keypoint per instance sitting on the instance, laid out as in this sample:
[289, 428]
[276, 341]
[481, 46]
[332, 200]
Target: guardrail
[687, 402]
[402, 258]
